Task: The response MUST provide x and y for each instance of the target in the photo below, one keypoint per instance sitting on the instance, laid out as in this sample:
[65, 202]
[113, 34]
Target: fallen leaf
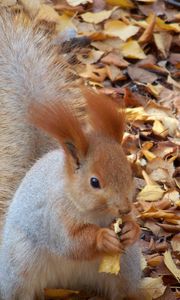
[171, 265]
[122, 3]
[141, 75]
[175, 243]
[150, 193]
[114, 59]
[148, 32]
[163, 42]
[114, 73]
[169, 27]
[92, 57]
[57, 293]
[97, 17]
[116, 28]
[153, 286]
[48, 14]
[159, 129]
[136, 114]
[78, 2]
[132, 49]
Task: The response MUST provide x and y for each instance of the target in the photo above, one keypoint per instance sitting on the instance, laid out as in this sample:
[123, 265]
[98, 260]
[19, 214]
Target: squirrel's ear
[105, 114]
[59, 121]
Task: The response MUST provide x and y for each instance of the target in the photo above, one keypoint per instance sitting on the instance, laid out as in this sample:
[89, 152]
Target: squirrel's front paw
[107, 241]
[130, 233]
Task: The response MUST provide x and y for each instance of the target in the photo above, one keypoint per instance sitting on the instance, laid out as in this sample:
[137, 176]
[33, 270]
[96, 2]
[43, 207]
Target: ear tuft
[59, 121]
[105, 115]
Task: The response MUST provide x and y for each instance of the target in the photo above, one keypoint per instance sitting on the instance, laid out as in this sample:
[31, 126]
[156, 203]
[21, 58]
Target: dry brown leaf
[114, 73]
[92, 57]
[160, 170]
[114, 59]
[175, 243]
[97, 17]
[153, 286]
[132, 49]
[171, 265]
[148, 32]
[156, 213]
[116, 28]
[163, 42]
[138, 74]
[154, 260]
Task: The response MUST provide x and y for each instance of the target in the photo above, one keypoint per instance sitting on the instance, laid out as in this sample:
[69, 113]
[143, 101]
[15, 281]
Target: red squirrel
[58, 226]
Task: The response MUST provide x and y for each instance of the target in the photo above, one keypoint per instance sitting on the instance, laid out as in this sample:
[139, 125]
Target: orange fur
[59, 121]
[104, 115]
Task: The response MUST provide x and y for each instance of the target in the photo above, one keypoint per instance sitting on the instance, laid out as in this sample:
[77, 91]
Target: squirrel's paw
[107, 241]
[130, 233]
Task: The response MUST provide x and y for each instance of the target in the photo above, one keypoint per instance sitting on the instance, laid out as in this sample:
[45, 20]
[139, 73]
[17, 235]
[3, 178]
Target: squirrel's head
[98, 176]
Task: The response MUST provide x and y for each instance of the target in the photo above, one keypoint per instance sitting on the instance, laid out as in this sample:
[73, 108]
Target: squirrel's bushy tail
[30, 70]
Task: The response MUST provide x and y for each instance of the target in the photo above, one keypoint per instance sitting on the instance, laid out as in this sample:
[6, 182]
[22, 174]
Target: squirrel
[58, 226]
[31, 70]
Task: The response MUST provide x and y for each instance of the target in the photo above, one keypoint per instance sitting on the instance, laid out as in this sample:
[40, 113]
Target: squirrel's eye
[95, 183]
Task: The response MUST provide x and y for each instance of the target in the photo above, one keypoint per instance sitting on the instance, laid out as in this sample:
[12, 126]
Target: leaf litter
[133, 56]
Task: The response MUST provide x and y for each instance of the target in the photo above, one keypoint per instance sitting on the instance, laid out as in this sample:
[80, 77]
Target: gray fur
[30, 70]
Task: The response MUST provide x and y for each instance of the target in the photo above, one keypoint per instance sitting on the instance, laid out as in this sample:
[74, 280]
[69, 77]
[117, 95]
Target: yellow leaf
[171, 265]
[169, 27]
[97, 17]
[47, 13]
[159, 129]
[153, 286]
[110, 264]
[121, 3]
[155, 89]
[151, 192]
[57, 293]
[136, 114]
[78, 2]
[119, 29]
[132, 49]
[148, 154]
